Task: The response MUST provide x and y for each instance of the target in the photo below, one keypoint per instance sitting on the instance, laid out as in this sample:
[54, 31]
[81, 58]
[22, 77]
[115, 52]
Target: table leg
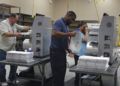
[42, 70]
[15, 83]
[101, 83]
[115, 78]
[80, 80]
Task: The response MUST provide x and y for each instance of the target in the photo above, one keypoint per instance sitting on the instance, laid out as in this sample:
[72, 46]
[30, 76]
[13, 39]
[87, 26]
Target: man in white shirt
[8, 34]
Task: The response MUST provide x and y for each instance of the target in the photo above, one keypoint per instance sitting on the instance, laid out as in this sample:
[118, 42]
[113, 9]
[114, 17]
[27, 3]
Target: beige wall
[112, 7]
[5, 1]
[85, 9]
[40, 6]
[59, 8]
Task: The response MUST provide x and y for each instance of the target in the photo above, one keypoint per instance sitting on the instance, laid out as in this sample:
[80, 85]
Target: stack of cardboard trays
[19, 56]
[91, 62]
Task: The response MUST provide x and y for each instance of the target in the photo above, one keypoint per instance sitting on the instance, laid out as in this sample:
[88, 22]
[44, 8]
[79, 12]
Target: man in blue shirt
[59, 46]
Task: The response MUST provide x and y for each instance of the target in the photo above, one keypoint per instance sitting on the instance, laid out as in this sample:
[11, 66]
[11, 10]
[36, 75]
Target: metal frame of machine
[107, 37]
[41, 36]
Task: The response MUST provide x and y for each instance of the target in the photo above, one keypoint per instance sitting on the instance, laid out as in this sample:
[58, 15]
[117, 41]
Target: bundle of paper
[19, 56]
[93, 62]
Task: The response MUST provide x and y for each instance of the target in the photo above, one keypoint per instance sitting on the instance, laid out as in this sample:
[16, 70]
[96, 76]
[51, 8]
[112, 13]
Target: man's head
[105, 14]
[13, 18]
[70, 17]
[82, 26]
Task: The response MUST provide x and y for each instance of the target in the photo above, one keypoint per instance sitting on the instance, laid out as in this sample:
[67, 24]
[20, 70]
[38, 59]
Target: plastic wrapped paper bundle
[92, 62]
[19, 56]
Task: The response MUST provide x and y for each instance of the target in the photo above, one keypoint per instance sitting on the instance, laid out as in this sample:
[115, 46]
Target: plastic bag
[75, 43]
[70, 60]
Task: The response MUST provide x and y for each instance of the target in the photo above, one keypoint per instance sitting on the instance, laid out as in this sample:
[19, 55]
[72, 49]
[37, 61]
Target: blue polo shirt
[60, 43]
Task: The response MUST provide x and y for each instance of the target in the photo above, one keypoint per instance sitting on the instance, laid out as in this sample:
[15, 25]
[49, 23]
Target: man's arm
[22, 28]
[4, 31]
[10, 34]
[58, 28]
[61, 34]
[58, 33]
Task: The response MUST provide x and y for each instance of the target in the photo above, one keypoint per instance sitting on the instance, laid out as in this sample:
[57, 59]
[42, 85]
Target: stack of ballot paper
[92, 62]
[19, 56]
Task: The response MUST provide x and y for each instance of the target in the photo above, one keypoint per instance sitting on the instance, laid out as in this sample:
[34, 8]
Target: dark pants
[58, 64]
[77, 74]
[76, 59]
[13, 69]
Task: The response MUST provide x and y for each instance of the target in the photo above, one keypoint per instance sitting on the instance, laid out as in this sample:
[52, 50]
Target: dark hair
[13, 15]
[81, 24]
[71, 13]
[105, 14]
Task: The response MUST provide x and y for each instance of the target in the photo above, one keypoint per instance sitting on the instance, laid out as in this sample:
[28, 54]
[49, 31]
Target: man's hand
[72, 34]
[26, 28]
[71, 55]
[17, 34]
